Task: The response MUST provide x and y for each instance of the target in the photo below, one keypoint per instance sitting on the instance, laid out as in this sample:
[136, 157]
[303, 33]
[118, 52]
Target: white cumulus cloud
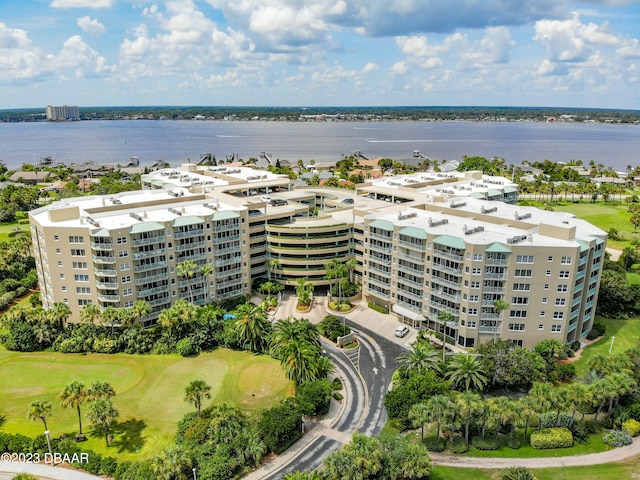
[82, 3]
[91, 25]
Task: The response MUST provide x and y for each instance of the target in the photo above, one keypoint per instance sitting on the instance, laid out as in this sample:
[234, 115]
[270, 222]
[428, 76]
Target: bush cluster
[548, 438]
[458, 445]
[378, 308]
[597, 330]
[433, 445]
[487, 443]
[551, 419]
[632, 427]
[617, 439]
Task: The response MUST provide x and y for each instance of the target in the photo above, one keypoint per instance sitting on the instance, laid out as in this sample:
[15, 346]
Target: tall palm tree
[298, 359]
[577, 394]
[90, 313]
[288, 329]
[187, 270]
[73, 395]
[195, 392]
[366, 456]
[499, 306]
[139, 310]
[528, 406]
[40, 410]
[440, 408]
[444, 317]
[420, 414]
[100, 390]
[102, 414]
[541, 393]
[272, 266]
[468, 371]
[599, 390]
[323, 367]
[172, 463]
[253, 448]
[560, 399]
[422, 357]
[351, 265]
[204, 272]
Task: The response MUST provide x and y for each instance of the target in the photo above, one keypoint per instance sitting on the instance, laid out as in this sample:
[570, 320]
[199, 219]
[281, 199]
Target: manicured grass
[627, 333]
[454, 473]
[633, 278]
[7, 228]
[149, 392]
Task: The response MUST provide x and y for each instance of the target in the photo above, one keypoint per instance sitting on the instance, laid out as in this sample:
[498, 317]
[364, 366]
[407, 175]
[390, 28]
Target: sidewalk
[614, 455]
[44, 472]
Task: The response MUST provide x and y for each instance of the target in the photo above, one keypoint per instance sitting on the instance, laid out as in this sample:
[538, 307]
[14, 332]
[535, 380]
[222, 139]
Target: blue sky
[320, 52]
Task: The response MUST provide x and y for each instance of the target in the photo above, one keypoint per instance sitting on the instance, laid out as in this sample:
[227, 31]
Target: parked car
[276, 202]
[265, 198]
[348, 200]
[401, 331]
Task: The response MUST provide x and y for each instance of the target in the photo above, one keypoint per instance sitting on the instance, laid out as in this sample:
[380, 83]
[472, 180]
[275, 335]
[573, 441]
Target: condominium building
[64, 112]
[437, 250]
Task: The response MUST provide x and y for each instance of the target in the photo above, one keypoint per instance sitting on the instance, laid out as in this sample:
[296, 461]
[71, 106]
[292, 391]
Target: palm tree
[351, 265]
[139, 310]
[366, 456]
[272, 266]
[40, 410]
[288, 329]
[252, 327]
[468, 371]
[468, 404]
[499, 306]
[100, 390]
[187, 270]
[204, 272]
[171, 463]
[298, 359]
[420, 414]
[59, 314]
[528, 406]
[102, 414]
[72, 396]
[323, 367]
[444, 317]
[440, 407]
[541, 392]
[559, 398]
[507, 413]
[195, 392]
[90, 313]
[253, 448]
[422, 357]
[577, 394]
[599, 390]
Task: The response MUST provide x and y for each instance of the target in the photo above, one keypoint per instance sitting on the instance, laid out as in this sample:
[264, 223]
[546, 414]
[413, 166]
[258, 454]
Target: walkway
[614, 455]
[43, 472]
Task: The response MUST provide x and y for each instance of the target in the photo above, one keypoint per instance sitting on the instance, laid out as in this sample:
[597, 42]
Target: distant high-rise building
[65, 112]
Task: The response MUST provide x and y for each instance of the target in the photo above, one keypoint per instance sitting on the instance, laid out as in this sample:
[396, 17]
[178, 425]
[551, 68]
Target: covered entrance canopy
[409, 317]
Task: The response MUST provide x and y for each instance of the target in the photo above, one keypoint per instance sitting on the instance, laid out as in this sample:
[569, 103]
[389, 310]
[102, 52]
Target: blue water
[115, 141]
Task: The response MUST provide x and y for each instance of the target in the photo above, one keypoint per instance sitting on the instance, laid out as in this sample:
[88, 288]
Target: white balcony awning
[405, 312]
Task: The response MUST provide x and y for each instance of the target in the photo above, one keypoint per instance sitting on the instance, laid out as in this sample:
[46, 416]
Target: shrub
[487, 443]
[581, 432]
[517, 473]
[108, 466]
[458, 445]
[565, 371]
[105, 345]
[434, 446]
[632, 427]
[633, 411]
[548, 438]
[575, 345]
[548, 420]
[336, 384]
[617, 439]
[185, 347]
[514, 443]
[337, 396]
[314, 397]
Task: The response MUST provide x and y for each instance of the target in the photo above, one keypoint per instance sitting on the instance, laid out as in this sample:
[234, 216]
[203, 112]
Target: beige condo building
[435, 249]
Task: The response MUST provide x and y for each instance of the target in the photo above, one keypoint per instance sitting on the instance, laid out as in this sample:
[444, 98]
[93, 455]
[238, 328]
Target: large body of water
[114, 141]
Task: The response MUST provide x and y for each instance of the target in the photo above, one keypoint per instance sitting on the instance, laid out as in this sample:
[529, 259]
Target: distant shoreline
[341, 114]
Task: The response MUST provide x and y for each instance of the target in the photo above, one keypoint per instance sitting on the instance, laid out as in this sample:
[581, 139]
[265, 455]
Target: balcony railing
[149, 254]
[145, 267]
[443, 268]
[106, 285]
[189, 234]
[139, 242]
[152, 291]
[229, 261]
[105, 247]
[228, 238]
[109, 298]
[496, 261]
[105, 272]
[150, 278]
[450, 256]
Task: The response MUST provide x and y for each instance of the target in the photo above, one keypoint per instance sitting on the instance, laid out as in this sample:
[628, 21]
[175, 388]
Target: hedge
[378, 308]
[617, 439]
[549, 438]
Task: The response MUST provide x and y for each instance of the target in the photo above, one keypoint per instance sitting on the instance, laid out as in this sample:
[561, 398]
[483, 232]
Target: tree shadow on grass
[128, 435]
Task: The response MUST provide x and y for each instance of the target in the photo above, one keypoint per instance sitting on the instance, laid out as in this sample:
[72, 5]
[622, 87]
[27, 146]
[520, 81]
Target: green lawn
[7, 228]
[627, 333]
[149, 391]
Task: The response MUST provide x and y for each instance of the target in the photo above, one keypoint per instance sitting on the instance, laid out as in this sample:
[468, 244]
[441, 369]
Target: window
[477, 257]
[522, 273]
[83, 290]
[125, 266]
[566, 260]
[128, 303]
[548, 273]
[556, 328]
[56, 238]
[62, 276]
[521, 287]
[59, 263]
[123, 253]
[558, 315]
[562, 288]
[546, 286]
[473, 311]
[543, 313]
[58, 251]
[520, 300]
[476, 271]
[471, 324]
[545, 299]
[564, 274]
[560, 302]
[77, 252]
[524, 258]
[81, 278]
[76, 239]
[121, 240]
[64, 288]
[550, 258]
[126, 279]
[127, 291]
[475, 284]
[84, 301]
[80, 265]
[518, 314]
[473, 298]
[541, 326]
[516, 327]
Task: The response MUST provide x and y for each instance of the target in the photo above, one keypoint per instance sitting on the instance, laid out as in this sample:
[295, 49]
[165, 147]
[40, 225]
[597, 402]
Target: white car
[265, 198]
[401, 331]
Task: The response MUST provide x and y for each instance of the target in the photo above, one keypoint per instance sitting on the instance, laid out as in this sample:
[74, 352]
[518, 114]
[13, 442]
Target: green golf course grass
[149, 392]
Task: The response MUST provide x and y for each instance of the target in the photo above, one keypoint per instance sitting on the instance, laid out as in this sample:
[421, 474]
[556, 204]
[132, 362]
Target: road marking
[375, 371]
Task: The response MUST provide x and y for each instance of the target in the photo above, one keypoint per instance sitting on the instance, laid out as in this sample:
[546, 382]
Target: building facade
[64, 112]
[438, 250]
